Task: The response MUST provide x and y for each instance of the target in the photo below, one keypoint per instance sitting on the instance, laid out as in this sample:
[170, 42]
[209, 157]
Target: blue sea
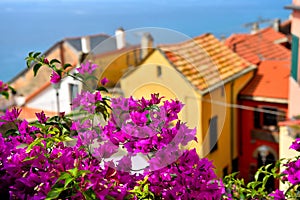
[35, 25]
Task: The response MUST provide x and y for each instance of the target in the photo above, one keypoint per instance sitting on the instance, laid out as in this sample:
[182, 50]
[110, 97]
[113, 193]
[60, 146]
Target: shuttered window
[295, 46]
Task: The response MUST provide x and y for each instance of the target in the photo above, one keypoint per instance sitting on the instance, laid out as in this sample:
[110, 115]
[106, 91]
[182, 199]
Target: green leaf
[67, 65]
[146, 188]
[265, 179]
[36, 124]
[31, 53]
[36, 68]
[89, 194]
[37, 141]
[35, 55]
[54, 61]
[11, 132]
[30, 158]
[74, 171]
[63, 176]
[101, 88]
[83, 172]
[54, 193]
[28, 62]
[5, 94]
[78, 75]
[68, 181]
[21, 146]
[12, 90]
[256, 176]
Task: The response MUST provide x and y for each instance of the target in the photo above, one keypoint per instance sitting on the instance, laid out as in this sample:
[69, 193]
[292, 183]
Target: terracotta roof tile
[259, 46]
[271, 80]
[29, 113]
[204, 60]
[271, 35]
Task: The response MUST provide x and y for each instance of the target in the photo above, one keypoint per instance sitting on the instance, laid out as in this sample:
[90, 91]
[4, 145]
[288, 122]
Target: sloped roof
[270, 81]
[29, 113]
[205, 61]
[272, 35]
[259, 46]
[107, 42]
[235, 38]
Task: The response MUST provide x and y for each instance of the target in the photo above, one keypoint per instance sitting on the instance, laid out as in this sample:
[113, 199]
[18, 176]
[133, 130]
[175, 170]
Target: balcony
[265, 135]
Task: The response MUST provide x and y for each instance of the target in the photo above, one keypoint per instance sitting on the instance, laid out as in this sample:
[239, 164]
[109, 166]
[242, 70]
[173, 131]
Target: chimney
[276, 24]
[255, 28]
[19, 100]
[120, 38]
[146, 44]
[85, 44]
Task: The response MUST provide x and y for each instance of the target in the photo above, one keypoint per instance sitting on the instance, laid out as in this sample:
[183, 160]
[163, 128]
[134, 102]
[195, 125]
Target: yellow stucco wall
[144, 81]
[219, 103]
[198, 110]
[114, 65]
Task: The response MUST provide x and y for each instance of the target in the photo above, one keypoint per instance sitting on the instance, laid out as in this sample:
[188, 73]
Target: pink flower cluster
[33, 165]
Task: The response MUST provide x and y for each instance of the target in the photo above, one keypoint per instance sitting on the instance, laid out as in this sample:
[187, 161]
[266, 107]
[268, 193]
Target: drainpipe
[231, 124]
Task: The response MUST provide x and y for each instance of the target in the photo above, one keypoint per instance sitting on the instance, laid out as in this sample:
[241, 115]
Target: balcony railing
[266, 135]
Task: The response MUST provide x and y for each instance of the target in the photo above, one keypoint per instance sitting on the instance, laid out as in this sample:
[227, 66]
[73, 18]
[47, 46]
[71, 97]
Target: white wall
[46, 99]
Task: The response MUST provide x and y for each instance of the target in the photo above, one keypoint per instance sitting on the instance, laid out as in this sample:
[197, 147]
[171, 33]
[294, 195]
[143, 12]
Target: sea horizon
[33, 25]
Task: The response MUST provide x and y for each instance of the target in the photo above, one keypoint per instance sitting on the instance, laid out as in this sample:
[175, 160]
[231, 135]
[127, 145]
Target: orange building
[264, 100]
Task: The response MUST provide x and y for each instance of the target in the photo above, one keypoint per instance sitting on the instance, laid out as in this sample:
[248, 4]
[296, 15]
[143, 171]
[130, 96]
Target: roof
[270, 81]
[198, 60]
[29, 113]
[235, 38]
[105, 40]
[272, 35]
[292, 7]
[290, 123]
[259, 46]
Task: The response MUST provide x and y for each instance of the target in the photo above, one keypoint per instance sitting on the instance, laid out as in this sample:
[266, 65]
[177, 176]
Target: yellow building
[207, 77]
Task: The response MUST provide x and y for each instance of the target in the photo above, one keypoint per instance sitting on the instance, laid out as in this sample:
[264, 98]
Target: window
[268, 118]
[73, 91]
[158, 71]
[213, 133]
[295, 46]
[225, 171]
[257, 119]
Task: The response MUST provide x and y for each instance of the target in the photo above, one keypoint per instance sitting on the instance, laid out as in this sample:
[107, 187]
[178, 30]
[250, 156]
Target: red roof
[260, 46]
[29, 113]
[272, 35]
[235, 38]
[270, 81]
[290, 123]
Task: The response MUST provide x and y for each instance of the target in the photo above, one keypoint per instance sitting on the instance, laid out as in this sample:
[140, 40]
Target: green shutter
[295, 45]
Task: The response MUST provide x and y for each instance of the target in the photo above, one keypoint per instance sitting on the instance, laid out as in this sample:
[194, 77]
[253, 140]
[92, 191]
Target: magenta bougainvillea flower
[10, 116]
[296, 144]
[87, 101]
[55, 77]
[3, 86]
[86, 68]
[104, 81]
[42, 117]
[46, 61]
[278, 195]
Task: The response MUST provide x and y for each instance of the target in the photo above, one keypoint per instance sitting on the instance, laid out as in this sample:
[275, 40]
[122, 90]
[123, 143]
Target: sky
[35, 25]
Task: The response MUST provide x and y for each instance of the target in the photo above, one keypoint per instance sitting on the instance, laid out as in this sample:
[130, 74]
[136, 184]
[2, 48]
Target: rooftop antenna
[256, 24]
